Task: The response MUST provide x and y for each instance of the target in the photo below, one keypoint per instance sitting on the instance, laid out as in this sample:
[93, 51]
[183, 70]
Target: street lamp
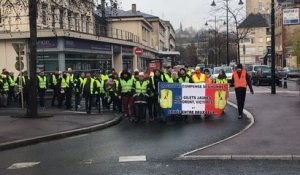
[213, 4]
[215, 42]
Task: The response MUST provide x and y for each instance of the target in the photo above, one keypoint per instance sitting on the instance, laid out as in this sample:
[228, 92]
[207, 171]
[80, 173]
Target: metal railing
[18, 24]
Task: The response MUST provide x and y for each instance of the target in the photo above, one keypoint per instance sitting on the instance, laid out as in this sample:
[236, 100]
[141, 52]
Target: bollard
[285, 83]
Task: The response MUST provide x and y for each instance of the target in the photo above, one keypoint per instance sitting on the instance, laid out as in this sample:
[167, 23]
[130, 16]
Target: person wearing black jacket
[89, 87]
[153, 104]
[241, 79]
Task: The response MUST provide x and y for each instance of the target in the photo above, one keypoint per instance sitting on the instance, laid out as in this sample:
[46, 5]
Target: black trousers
[140, 111]
[240, 98]
[88, 102]
[61, 98]
[69, 93]
[77, 100]
[42, 97]
[55, 95]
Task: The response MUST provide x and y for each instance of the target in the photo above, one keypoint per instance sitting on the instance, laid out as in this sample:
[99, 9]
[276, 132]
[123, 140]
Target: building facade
[69, 35]
[258, 6]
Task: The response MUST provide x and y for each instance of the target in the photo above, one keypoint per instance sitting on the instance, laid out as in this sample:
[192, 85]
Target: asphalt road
[99, 152]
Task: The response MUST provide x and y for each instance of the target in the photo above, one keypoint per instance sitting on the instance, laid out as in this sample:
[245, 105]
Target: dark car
[294, 74]
[263, 76]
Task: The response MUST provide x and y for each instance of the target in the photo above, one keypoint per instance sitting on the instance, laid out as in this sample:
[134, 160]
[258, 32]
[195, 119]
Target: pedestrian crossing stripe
[132, 159]
[22, 165]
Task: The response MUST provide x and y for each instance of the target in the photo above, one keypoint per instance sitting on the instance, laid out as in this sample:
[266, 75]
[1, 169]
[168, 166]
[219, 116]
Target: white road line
[86, 162]
[76, 137]
[132, 159]
[22, 165]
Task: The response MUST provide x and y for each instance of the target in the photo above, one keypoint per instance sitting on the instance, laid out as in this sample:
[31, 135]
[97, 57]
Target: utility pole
[32, 104]
[273, 82]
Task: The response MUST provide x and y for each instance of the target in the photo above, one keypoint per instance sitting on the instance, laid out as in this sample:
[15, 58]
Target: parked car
[294, 74]
[285, 71]
[228, 72]
[252, 69]
[263, 76]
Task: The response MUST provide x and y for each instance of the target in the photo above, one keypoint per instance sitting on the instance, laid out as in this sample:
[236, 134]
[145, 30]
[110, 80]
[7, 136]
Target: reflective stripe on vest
[169, 78]
[187, 80]
[6, 86]
[91, 85]
[198, 80]
[141, 88]
[54, 80]
[126, 86]
[42, 82]
[64, 83]
[221, 81]
[12, 82]
[240, 82]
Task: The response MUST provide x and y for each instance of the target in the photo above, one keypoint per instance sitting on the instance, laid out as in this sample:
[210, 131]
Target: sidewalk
[274, 135]
[15, 132]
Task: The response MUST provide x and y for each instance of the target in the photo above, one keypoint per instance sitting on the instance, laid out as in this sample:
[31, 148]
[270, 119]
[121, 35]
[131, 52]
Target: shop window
[47, 62]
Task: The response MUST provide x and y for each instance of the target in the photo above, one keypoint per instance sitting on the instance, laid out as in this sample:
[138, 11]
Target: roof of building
[256, 20]
[112, 12]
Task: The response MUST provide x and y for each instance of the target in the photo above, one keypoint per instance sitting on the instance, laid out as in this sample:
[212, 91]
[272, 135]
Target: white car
[228, 72]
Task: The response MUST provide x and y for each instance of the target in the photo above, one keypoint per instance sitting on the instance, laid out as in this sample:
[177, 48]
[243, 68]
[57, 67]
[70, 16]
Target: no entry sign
[138, 51]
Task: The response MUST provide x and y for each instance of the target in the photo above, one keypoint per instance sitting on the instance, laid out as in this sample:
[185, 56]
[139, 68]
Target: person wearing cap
[140, 92]
[54, 85]
[168, 76]
[241, 80]
[124, 94]
[42, 87]
[198, 77]
[135, 75]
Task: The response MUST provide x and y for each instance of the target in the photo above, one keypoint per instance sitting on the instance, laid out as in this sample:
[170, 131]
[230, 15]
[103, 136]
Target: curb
[186, 156]
[59, 135]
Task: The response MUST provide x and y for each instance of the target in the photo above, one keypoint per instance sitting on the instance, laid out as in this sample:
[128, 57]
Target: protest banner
[193, 99]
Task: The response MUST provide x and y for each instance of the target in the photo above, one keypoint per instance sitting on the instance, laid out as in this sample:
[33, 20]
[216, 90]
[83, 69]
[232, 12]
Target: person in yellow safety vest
[153, 105]
[198, 77]
[54, 85]
[63, 84]
[42, 87]
[88, 87]
[110, 87]
[23, 84]
[117, 100]
[241, 79]
[168, 77]
[77, 88]
[140, 91]
[222, 78]
[183, 77]
[12, 90]
[124, 94]
[69, 89]
[4, 89]
[97, 94]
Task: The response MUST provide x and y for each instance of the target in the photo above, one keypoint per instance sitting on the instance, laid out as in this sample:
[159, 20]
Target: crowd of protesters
[134, 94]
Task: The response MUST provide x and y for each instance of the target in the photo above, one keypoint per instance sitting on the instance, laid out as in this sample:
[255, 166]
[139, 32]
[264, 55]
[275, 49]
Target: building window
[145, 34]
[47, 62]
[88, 24]
[44, 13]
[70, 20]
[77, 22]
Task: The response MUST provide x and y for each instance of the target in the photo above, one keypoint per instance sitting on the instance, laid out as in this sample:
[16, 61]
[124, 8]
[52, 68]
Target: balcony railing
[18, 24]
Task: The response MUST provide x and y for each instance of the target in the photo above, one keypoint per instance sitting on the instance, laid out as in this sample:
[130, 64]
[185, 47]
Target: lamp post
[273, 82]
[213, 4]
[215, 39]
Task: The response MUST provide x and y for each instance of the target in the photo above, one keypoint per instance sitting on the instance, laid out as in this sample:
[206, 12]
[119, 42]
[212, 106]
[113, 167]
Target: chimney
[133, 8]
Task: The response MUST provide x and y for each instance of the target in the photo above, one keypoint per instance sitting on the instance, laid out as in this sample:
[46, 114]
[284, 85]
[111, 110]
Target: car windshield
[227, 69]
[266, 70]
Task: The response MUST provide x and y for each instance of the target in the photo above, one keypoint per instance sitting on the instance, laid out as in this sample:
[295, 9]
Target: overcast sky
[189, 12]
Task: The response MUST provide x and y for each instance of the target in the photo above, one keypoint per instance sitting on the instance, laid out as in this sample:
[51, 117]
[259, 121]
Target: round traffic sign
[138, 51]
[19, 65]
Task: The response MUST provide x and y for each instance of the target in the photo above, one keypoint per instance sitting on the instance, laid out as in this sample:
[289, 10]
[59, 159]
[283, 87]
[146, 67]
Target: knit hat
[239, 66]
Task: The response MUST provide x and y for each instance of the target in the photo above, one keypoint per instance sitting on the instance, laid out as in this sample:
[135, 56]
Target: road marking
[22, 165]
[86, 162]
[132, 159]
